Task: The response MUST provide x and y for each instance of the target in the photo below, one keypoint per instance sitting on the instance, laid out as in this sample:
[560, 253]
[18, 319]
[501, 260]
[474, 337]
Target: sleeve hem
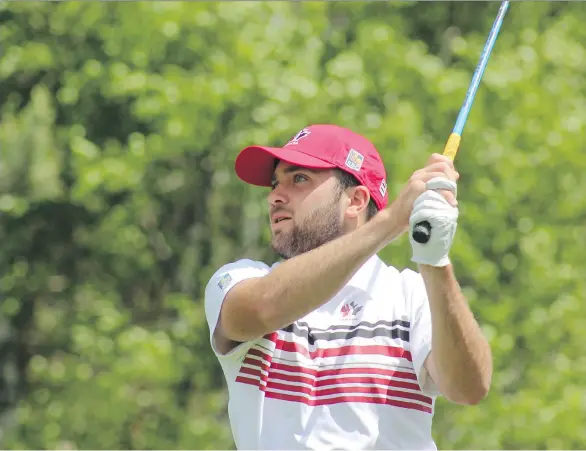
[219, 285]
[426, 383]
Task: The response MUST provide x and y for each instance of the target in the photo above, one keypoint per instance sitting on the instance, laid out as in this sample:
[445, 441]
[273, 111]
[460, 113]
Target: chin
[280, 250]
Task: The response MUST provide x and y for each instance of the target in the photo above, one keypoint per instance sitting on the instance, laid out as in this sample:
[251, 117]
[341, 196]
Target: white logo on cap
[302, 134]
[383, 187]
[354, 160]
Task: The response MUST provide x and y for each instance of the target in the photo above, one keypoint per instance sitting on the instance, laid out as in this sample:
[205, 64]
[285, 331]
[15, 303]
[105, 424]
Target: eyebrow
[290, 169]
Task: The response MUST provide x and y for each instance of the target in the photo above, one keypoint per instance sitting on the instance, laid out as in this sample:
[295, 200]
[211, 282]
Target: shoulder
[414, 288]
[220, 283]
[242, 265]
[231, 273]
[408, 278]
[224, 279]
[406, 281]
[411, 278]
[412, 284]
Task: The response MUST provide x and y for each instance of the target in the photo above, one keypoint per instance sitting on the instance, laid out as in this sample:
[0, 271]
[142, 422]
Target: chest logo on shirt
[349, 310]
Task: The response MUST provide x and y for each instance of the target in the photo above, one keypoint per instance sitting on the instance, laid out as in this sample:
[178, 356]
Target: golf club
[422, 230]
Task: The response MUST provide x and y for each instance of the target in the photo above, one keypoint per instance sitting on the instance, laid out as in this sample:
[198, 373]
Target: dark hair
[347, 180]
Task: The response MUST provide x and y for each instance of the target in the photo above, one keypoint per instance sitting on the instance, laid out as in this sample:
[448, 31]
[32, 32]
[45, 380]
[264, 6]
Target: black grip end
[422, 232]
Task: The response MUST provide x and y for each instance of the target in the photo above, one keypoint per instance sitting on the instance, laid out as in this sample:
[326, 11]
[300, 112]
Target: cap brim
[255, 164]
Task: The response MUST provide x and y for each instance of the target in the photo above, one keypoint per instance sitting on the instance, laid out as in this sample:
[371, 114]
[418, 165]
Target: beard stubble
[318, 228]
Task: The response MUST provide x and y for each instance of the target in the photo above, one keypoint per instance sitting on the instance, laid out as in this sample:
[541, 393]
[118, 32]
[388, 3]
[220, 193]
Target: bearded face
[303, 232]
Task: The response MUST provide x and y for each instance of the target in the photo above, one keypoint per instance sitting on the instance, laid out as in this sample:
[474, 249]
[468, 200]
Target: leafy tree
[119, 126]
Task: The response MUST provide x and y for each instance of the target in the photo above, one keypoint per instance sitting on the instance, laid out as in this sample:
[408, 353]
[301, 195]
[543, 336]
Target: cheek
[315, 203]
[327, 208]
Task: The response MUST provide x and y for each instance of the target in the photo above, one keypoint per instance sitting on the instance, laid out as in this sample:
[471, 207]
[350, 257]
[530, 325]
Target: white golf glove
[432, 207]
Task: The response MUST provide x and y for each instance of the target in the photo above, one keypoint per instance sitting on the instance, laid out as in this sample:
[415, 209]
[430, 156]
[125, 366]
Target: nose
[278, 196]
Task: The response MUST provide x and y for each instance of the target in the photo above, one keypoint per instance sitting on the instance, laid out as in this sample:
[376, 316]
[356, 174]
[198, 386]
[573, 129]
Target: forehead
[282, 168]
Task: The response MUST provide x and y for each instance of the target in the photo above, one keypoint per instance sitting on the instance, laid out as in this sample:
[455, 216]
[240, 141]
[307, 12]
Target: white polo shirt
[348, 375]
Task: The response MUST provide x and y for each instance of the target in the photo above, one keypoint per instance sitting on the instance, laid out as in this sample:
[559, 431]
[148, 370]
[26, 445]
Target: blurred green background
[119, 126]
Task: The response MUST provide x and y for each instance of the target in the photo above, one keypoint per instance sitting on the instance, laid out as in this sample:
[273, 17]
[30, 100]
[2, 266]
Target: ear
[358, 199]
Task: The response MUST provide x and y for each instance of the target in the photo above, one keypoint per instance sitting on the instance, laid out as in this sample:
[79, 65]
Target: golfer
[330, 348]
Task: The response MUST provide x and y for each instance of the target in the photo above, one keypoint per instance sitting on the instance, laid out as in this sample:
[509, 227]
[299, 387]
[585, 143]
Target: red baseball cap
[319, 147]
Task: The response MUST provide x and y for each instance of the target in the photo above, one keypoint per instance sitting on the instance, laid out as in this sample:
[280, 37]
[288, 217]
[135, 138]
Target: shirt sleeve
[420, 336]
[221, 282]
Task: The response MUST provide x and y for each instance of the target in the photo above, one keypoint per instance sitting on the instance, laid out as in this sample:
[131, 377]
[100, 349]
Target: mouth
[279, 219]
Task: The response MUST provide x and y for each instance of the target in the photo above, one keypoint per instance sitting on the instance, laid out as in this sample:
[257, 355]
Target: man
[330, 348]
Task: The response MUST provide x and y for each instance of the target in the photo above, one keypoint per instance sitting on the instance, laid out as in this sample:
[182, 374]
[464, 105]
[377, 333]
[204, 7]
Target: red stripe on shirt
[251, 371]
[308, 372]
[316, 378]
[250, 381]
[340, 371]
[387, 351]
[348, 398]
[257, 363]
[319, 382]
[346, 395]
[327, 387]
[258, 353]
[355, 390]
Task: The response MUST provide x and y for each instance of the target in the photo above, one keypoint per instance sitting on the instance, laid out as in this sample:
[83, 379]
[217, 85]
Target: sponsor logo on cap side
[383, 187]
[354, 160]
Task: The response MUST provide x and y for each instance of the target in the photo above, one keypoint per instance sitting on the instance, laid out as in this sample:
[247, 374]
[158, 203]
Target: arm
[460, 362]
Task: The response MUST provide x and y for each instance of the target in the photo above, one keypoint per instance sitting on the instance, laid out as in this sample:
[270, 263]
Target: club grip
[422, 230]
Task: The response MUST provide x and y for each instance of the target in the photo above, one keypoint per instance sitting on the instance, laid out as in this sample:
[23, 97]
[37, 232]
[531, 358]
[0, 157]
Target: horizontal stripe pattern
[286, 369]
[321, 353]
[397, 329]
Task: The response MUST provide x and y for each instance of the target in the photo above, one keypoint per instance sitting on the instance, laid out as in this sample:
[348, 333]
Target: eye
[274, 184]
[299, 178]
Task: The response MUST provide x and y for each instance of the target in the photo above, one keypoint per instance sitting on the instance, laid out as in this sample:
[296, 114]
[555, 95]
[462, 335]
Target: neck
[352, 224]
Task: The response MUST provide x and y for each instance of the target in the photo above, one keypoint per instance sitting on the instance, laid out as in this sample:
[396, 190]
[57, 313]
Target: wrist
[440, 262]
[436, 272]
[391, 223]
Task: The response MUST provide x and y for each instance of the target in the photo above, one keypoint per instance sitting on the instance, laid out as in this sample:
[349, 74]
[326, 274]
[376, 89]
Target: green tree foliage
[119, 126]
